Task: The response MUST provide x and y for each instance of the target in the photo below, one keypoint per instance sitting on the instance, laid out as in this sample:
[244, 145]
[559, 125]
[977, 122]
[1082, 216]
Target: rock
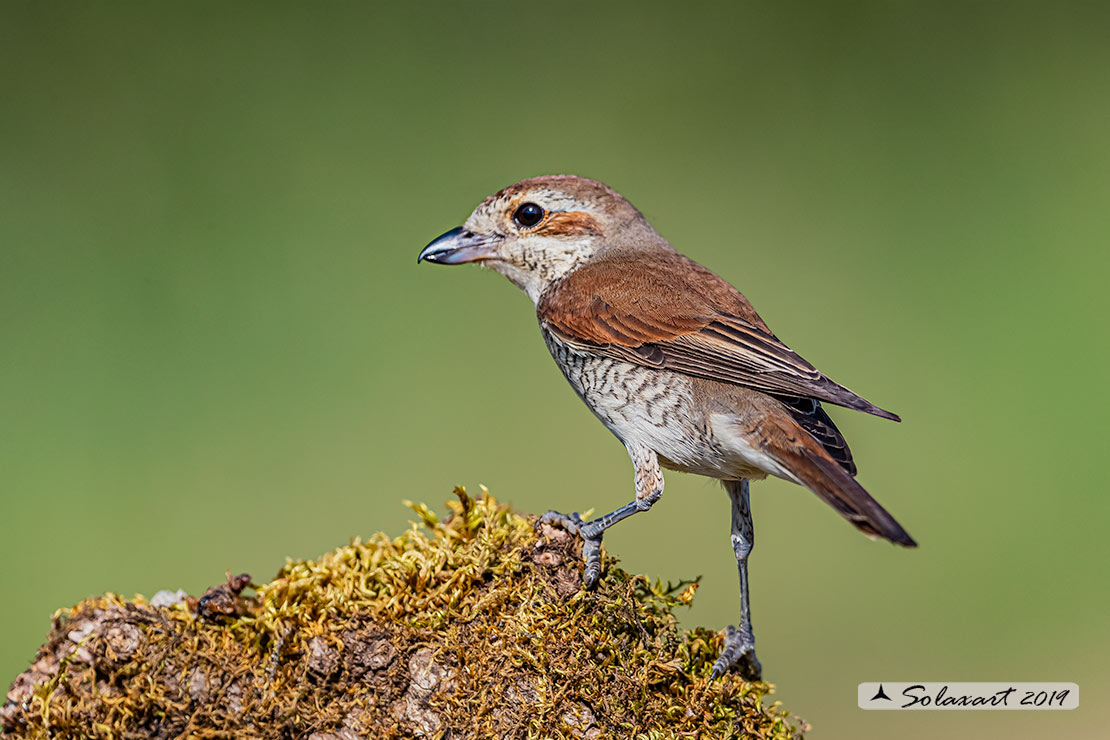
[475, 628]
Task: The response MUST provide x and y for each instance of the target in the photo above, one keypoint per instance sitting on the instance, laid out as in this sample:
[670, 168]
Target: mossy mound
[477, 628]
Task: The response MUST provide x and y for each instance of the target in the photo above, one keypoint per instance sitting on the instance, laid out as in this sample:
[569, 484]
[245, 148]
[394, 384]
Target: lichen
[473, 626]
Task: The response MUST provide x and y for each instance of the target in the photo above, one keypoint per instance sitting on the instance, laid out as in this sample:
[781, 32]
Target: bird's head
[538, 230]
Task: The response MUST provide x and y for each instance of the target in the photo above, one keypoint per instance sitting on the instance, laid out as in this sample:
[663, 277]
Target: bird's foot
[590, 532]
[739, 652]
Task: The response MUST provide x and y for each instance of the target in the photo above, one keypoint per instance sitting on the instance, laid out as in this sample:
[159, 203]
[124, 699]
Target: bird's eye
[528, 214]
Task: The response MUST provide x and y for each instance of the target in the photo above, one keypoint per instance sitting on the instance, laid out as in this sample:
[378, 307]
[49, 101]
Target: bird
[673, 360]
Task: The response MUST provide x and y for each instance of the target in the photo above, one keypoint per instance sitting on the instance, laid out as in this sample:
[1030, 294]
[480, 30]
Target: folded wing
[660, 309]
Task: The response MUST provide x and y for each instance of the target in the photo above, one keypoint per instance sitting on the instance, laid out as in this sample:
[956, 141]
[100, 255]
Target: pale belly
[657, 409]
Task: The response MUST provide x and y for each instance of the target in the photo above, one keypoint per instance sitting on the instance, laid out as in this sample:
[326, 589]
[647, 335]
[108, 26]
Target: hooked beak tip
[457, 247]
[442, 244]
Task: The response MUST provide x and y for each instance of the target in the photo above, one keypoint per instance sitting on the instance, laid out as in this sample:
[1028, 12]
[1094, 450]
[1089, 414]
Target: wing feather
[661, 309]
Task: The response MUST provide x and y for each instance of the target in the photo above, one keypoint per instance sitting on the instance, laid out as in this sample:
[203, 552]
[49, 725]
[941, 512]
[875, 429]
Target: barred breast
[655, 408]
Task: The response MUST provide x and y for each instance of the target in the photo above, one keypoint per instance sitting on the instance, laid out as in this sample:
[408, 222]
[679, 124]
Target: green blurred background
[218, 350]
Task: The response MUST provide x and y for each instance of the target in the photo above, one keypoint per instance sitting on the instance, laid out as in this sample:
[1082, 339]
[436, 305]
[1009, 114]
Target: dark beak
[459, 246]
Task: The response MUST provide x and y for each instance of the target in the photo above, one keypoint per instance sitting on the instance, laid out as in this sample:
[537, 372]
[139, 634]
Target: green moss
[473, 627]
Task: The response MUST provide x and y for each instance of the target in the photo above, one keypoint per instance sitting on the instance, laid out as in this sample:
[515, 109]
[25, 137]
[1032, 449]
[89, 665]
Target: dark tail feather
[809, 415]
[822, 475]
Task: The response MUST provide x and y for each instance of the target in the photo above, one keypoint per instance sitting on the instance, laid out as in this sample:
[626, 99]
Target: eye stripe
[569, 223]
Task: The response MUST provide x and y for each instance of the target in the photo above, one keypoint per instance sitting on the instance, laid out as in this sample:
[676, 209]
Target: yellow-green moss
[473, 628]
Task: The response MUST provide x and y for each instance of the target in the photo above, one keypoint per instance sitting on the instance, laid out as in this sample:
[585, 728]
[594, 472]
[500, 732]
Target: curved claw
[591, 553]
[591, 542]
[739, 651]
[570, 522]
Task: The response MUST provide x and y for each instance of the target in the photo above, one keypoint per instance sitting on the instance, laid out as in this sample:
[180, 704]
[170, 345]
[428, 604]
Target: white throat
[533, 267]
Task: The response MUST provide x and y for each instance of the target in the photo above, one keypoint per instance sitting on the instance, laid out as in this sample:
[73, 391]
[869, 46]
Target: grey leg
[740, 641]
[649, 487]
